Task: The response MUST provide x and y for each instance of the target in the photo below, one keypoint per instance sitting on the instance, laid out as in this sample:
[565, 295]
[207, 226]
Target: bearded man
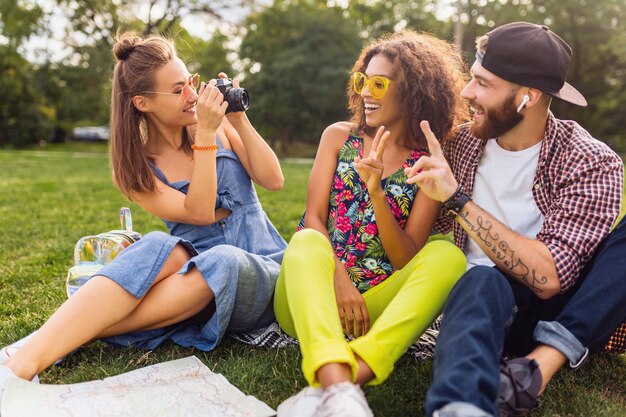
[531, 199]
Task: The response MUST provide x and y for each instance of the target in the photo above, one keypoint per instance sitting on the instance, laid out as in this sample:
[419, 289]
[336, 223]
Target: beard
[496, 122]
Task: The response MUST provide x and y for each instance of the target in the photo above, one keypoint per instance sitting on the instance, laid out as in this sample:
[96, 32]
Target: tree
[24, 116]
[99, 19]
[375, 18]
[295, 55]
[595, 31]
[298, 55]
[79, 86]
[207, 58]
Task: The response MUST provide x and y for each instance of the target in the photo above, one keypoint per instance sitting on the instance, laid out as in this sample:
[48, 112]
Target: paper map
[183, 387]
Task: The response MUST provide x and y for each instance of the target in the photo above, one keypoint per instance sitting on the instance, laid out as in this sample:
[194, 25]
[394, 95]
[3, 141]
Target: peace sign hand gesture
[432, 173]
[371, 168]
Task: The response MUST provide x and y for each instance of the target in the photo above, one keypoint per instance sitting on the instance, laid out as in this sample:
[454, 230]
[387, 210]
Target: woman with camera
[361, 266]
[175, 154]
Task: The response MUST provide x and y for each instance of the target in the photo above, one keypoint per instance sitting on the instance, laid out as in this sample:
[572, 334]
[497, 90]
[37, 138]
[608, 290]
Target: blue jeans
[487, 315]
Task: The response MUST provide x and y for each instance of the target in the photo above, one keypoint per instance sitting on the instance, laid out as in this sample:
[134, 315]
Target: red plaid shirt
[577, 187]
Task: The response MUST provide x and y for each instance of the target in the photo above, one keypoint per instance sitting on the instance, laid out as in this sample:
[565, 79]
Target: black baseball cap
[533, 56]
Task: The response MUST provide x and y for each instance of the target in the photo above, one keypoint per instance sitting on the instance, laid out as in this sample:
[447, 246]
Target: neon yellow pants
[400, 308]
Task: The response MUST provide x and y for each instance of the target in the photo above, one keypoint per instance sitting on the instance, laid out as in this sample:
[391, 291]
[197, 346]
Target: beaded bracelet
[453, 205]
[204, 147]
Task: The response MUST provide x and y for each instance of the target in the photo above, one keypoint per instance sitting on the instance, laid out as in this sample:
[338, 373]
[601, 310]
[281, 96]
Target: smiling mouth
[370, 107]
[191, 109]
[477, 112]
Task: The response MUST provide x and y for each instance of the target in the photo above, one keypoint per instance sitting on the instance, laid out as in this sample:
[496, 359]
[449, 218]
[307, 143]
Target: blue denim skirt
[243, 284]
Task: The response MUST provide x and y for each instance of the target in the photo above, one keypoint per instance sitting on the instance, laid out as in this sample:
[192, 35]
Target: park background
[294, 58]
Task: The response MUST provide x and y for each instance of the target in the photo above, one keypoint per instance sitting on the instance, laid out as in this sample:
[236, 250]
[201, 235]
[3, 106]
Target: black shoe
[520, 382]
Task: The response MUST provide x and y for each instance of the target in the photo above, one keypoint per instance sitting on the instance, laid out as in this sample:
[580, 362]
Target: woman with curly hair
[361, 264]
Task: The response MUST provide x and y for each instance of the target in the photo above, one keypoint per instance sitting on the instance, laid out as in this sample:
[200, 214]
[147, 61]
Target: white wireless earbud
[525, 100]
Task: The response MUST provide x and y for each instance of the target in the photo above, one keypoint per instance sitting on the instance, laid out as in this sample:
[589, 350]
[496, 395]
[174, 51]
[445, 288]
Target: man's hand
[432, 173]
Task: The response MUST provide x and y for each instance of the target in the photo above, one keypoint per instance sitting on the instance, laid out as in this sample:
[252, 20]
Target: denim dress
[238, 256]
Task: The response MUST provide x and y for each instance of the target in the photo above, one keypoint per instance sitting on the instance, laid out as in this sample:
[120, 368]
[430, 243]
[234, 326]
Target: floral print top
[351, 221]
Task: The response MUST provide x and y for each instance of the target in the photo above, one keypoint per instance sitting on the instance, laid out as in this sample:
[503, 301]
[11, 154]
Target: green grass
[50, 197]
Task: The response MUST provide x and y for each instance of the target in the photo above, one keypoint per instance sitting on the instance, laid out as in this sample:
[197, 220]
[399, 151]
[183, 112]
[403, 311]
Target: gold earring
[143, 130]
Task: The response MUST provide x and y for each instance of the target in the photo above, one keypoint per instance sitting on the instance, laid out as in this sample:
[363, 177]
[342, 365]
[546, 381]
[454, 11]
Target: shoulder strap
[160, 175]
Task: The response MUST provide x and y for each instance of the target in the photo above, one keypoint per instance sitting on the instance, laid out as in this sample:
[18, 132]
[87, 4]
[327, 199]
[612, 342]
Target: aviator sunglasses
[192, 85]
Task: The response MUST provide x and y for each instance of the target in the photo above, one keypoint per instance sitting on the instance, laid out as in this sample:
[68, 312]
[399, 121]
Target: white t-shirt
[503, 188]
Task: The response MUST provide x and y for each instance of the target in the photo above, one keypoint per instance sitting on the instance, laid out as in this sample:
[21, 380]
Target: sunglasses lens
[184, 94]
[378, 87]
[359, 82]
[194, 81]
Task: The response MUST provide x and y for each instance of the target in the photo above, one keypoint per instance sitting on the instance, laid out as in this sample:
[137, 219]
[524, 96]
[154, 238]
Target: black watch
[455, 203]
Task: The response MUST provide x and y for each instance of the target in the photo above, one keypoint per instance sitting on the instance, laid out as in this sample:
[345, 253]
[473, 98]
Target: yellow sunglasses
[378, 84]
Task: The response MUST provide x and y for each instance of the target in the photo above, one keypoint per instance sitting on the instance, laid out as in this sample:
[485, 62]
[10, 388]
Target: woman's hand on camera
[370, 169]
[224, 76]
[210, 106]
[233, 115]
[353, 314]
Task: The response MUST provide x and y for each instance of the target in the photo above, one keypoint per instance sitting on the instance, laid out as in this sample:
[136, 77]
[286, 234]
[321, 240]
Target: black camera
[237, 98]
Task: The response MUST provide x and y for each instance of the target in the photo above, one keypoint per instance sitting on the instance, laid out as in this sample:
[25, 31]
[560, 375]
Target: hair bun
[125, 45]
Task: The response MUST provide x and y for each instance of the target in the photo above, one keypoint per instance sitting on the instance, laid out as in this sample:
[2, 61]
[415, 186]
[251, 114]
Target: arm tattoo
[500, 249]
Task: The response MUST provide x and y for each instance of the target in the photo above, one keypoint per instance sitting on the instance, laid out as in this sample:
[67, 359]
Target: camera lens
[237, 99]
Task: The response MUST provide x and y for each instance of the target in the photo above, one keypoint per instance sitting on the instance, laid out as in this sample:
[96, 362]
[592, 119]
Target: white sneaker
[302, 404]
[7, 351]
[460, 409]
[344, 400]
[6, 375]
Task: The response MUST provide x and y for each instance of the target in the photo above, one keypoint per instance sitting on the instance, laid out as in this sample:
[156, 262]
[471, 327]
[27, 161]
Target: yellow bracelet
[204, 147]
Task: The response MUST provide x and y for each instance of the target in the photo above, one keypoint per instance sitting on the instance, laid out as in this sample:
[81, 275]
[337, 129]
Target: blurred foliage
[292, 55]
[18, 21]
[207, 58]
[375, 18]
[595, 30]
[298, 56]
[25, 115]
[25, 118]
